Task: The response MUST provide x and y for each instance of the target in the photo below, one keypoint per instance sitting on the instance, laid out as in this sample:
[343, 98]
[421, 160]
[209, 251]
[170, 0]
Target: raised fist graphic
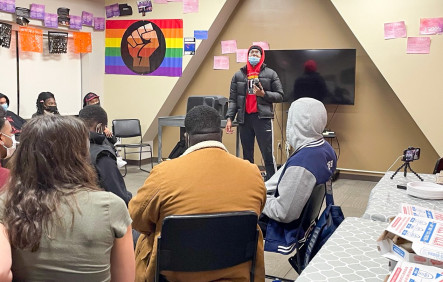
[141, 44]
[143, 47]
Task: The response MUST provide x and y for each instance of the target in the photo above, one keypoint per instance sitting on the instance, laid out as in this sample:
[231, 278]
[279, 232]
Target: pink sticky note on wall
[262, 44]
[221, 62]
[418, 45]
[431, 25]
[190, 6]
[228, 46]
[395, 30]
[242, 55]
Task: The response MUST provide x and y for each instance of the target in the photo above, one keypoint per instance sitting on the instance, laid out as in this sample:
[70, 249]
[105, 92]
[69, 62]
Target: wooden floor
[351, 195]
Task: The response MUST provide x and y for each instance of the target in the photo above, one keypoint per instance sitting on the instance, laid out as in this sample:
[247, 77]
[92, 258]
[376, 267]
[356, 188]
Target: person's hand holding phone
[258, 89]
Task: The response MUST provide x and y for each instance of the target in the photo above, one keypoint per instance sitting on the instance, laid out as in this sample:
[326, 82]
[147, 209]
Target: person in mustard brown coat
[197, 183]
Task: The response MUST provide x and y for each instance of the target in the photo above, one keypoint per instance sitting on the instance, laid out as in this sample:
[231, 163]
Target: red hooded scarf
[253, 72]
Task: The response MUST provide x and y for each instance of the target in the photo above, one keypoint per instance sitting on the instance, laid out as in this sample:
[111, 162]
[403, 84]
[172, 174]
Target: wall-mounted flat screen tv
[327, 75]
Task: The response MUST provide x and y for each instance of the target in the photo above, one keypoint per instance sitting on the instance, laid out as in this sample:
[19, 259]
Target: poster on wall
[189, 45]
[144, 47]
[144, 6]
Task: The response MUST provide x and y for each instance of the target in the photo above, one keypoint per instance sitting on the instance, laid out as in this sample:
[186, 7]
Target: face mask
[5, 107]
[51, 109]
[10, 150]
[253, 60]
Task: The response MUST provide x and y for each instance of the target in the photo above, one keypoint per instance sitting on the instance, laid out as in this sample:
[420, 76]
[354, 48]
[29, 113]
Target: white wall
[91, 65]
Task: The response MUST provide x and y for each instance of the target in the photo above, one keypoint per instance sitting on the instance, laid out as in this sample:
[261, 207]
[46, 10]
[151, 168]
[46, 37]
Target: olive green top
[75, 252]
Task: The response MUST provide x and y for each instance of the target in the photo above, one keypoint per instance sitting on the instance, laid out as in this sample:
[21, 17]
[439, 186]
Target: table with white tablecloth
[385, 198]
[350, 254]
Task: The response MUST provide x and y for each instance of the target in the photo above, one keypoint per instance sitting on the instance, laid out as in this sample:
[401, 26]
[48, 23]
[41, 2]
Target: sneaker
[121, 162]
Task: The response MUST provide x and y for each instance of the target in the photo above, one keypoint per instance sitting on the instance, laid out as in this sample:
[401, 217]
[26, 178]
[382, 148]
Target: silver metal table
[350, 254]
[179, 121]
[385, 198]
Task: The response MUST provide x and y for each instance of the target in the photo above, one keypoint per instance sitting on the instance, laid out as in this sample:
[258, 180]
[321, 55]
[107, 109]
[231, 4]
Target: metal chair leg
[152, 164]
[126, 169]
[140, 161]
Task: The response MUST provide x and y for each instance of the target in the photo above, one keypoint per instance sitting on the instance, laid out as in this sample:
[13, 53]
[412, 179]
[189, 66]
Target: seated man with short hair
[205, 179]
[103, 155]
[313, 162]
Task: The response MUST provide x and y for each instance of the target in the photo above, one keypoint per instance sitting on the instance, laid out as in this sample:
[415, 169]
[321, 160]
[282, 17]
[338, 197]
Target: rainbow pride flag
[150, 47]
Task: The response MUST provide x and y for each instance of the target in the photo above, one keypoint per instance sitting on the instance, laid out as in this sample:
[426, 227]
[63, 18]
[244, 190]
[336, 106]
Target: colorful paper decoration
[87, 18]
[37, 11]
[5, 35]
[30, 39]
[51, 20]
[58, 42]
[153, 47]
[7, 6]
[99, 23]
[82, 42]
[75, 22]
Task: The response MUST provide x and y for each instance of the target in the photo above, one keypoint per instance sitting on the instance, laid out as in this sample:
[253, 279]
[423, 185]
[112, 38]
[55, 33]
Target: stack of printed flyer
[413, 242]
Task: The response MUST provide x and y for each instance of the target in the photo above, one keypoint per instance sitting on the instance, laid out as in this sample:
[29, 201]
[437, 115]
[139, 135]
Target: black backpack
[178, 150]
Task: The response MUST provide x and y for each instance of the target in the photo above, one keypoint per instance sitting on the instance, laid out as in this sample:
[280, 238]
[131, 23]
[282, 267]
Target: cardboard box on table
[413, 239]
[407, 272]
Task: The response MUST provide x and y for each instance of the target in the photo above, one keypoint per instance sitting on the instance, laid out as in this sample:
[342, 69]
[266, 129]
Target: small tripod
[406, 165]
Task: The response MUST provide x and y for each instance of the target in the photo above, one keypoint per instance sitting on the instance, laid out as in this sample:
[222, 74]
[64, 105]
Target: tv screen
[327, 75]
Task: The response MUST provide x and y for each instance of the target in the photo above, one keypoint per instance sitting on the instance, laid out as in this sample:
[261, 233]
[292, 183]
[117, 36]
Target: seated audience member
[93, 99]
[312, 163]
[46, 104]
[60, 225]
[102, 154]
[5, 258]
[15, 120]
[195, 183]
[7, 148]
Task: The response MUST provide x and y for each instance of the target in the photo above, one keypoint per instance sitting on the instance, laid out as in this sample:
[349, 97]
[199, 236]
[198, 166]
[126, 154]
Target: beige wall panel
[372, 133]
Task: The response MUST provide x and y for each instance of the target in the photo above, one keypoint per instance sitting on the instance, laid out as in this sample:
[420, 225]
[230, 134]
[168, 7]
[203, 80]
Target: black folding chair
[307, 221]
[438, 166]
[203, 242]
[126, 128]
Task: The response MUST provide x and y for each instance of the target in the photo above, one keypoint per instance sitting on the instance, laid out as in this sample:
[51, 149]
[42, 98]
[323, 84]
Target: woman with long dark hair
[60, 224]
[46, 104]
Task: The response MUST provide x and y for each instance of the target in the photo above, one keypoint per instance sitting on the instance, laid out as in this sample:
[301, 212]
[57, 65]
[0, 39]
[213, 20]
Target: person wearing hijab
[254, 89]
[313, 162]
[46, 104]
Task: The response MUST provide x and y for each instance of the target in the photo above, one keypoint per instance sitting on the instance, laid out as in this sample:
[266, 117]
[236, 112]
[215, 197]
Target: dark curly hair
[93, 115]
[50, 165]
[42, 97]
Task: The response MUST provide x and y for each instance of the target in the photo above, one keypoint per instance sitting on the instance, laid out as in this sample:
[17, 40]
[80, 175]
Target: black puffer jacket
[237, 98]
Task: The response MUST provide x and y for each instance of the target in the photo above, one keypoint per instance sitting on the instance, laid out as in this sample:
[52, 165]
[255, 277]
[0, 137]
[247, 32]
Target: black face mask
[51, 109]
